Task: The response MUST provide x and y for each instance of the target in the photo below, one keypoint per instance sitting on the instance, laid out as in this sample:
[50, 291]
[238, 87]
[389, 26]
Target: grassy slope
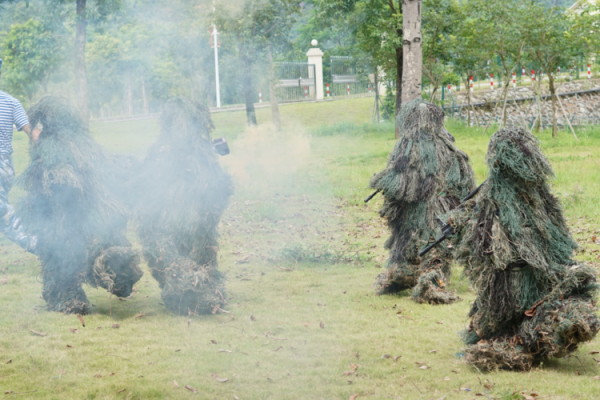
[293, 196]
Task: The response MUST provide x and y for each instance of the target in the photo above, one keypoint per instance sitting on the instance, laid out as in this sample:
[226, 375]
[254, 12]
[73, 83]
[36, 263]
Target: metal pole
[216, 45]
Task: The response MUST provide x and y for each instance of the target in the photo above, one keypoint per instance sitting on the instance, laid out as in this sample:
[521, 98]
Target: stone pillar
[315, 57]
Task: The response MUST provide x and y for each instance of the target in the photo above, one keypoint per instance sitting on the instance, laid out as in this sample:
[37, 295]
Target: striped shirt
[11, 113]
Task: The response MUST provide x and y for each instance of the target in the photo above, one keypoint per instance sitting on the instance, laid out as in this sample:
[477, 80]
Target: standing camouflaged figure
[426, 176]
[12, 113]
[533, 300]
[183, 192]
[74, 206]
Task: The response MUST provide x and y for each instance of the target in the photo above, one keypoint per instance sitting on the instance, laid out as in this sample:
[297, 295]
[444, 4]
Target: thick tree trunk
[400, 65]
[144, 97]
[249, 91]
[80, 74]
[273, 94]
[553, 95]
[413, 50]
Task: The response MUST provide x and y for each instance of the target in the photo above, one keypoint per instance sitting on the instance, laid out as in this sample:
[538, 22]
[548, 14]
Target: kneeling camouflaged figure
[426, 176]
[533, 300]
[183, 192]
[73, 204]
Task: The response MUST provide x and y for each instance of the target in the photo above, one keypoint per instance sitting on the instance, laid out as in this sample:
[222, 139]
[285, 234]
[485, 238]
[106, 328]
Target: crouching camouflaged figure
[426, 176]
[74, 207]
[533, 300]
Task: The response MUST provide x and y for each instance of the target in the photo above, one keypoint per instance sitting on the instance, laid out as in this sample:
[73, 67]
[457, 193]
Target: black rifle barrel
[371, 196]
[446, 235]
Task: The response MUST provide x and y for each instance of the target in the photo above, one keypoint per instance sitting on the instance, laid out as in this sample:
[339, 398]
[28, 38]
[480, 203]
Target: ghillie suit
[184, 192]
[72, 206]
[426, 176]
[533, 301]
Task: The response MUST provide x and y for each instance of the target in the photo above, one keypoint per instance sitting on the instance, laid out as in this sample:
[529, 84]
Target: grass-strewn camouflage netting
[184, 192]
[426, 176]
[533, 301]
[74, 207]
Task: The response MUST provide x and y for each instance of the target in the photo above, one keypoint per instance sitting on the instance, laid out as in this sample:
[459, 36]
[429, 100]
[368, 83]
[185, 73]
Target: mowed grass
[300, 251]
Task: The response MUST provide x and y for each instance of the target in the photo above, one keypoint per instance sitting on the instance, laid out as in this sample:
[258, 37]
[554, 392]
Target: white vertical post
[471, 84]
[589, 71]
[216, 46]
[315, 57]
[514, 79]
[492, 81]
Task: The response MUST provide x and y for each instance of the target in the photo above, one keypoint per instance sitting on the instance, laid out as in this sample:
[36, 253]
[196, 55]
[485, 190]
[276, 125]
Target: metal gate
[297, 81]
[346, 79]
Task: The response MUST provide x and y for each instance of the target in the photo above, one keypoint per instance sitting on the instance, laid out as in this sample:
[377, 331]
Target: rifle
[448, 230]
[373, 195]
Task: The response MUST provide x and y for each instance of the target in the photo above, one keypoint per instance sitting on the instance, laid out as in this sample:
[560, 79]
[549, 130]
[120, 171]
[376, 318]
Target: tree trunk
[376, 81]
[413, 50]
[248, 91]
[468, 102]
[128, 96]
[553, 96]
[144, 97]
[80, 74]
[272, 93]
[400, 65]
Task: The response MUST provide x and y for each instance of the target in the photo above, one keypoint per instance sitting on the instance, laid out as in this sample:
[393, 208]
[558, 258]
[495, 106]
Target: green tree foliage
[32, 54]
[255, 26]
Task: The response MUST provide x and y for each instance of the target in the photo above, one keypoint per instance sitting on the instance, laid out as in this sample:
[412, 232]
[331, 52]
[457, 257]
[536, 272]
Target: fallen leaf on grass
[111, 374]
[354, 396]
[81, 320]
[286, 269]
[235, 397]
[322, 325]
[439, 323]
[217, 378]
[116, 326]
[176, 384]
[243, 260]
[97, 376]
[74, 330]
[69, 346]
[121, 299]
[596, 377]
[213, 341]
[424, 367]
[139, 316]
[386, 356]
[252, 318]
[191, 388]
[353, 367]
[594, 352]
[348, 373]
[396, 358]
[121, 391]
[4, 281]
[224, 351]
[277, 349]
[447, 378]
[39, 333]
[176, 350]
[8, 392]
[433, 351]
[9, 361]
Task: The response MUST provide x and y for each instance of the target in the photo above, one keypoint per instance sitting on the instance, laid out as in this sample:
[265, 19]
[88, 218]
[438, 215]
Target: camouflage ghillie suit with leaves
[183, 192]
[426, 176]
[73, 206]
[533, 300]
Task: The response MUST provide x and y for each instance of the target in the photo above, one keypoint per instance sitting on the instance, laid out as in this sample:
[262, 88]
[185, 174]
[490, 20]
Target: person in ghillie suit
[533, 300]
[72, 205]
[183, 192]
[426, 176]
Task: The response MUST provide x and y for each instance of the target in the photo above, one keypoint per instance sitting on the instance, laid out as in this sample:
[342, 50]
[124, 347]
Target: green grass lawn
[300, 251]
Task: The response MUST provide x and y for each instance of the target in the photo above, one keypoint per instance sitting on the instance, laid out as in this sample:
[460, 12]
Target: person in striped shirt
[12, 114]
